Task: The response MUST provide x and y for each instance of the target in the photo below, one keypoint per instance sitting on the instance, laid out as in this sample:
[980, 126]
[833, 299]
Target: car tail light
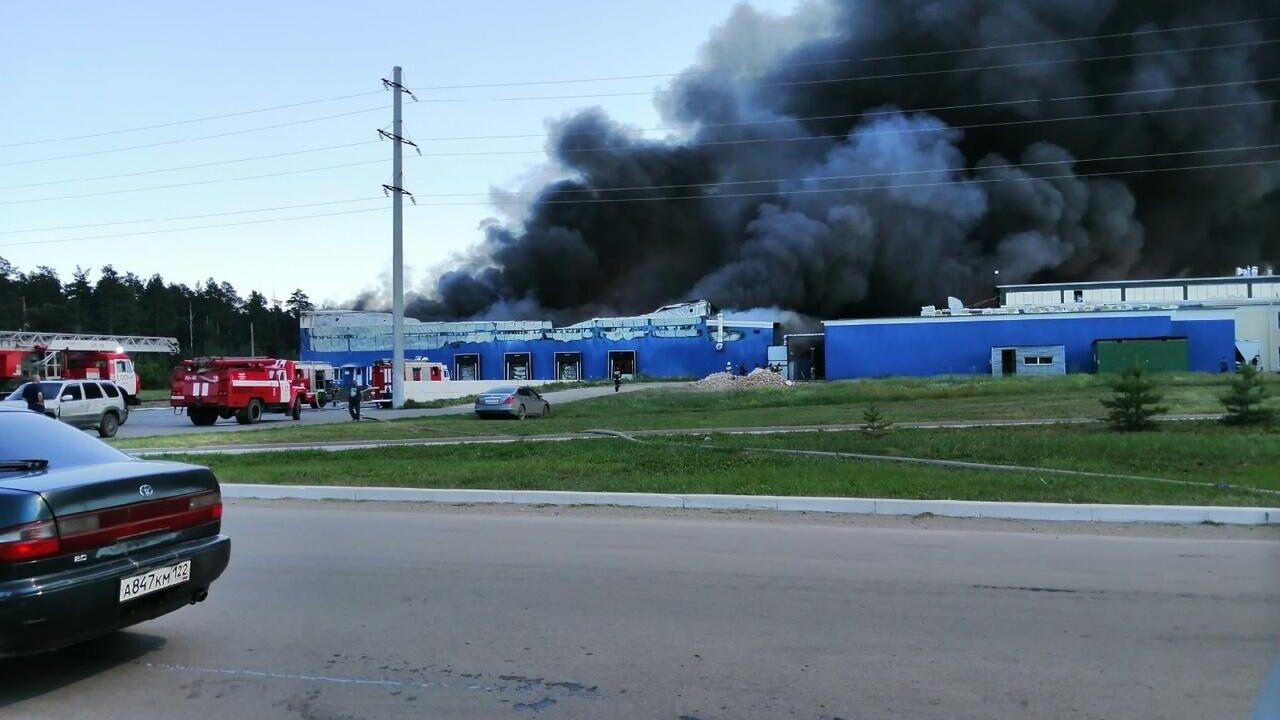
[107, 527]
[510, 399]
[212, 501]
[29, 542]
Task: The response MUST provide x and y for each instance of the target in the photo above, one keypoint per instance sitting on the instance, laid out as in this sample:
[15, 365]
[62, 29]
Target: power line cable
[197, 227]
[744, 141]
[193, 183]
[744, 123]
[803, 191]
[843, 116]
[632, 188]
[721, 183]
[900, 56]
[809, 191]
[907, 131]
[197, 138]
[189, 121]
[189, 167]
[193, 217]
[883, 76]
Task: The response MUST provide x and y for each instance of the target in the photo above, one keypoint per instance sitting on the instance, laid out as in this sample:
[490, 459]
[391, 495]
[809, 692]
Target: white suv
[86, 404]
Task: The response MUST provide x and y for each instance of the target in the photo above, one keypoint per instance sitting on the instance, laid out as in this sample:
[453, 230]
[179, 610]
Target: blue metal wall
[1208, 342]
[656, 357]
[963, 345]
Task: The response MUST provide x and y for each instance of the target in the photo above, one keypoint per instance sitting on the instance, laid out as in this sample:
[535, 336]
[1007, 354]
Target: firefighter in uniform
[34, 395]
[353, 401]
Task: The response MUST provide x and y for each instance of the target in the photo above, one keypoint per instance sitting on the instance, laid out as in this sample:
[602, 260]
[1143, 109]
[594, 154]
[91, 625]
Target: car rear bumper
[495, 411]
[61, 609]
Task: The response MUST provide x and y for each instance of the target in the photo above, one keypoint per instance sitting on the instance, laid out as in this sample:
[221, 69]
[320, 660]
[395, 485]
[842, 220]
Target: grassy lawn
[154, 395]
[901, 400]
[1195, 451]
[672, 467]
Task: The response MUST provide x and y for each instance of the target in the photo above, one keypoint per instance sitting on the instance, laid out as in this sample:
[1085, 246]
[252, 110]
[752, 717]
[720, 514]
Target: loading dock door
[623, 361]
[569, 367]
[519, 367]
[466, 367]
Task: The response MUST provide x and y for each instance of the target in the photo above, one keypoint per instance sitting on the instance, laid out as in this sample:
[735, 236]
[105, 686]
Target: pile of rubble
[760, 377]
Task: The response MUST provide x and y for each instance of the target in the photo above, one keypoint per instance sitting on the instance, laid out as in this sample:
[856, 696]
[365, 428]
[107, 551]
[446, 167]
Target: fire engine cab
[63, 356]
[243, 388]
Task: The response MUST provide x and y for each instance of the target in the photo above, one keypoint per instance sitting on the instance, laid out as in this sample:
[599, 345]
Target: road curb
[1054, 512]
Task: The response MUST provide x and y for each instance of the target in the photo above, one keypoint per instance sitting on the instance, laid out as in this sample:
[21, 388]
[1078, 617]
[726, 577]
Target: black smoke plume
[751, 224]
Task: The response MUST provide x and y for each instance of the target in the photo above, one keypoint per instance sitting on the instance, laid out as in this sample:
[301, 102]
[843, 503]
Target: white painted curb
[1172, 514]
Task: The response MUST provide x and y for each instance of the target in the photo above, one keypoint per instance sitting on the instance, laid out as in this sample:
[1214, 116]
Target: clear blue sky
[74, 68]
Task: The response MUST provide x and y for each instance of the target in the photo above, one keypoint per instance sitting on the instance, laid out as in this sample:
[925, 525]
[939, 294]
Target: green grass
[667, 467]
[154, 395]
[1195, 451]
[901, 400]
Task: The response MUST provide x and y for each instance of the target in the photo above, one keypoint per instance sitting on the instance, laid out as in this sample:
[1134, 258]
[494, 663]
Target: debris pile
[760, 377]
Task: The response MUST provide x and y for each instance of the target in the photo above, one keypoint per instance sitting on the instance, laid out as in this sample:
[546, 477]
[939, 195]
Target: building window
[1037, 360]
[1078, 296]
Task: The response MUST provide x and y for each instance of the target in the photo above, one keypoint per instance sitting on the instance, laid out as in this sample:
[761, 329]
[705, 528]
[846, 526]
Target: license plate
[154, 580]
[492, 401]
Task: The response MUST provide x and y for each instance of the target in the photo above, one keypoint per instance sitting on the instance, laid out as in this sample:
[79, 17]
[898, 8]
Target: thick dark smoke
[967, 213]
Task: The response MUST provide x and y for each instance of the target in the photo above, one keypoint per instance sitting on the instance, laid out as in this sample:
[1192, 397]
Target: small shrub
[1135, 402]
[1246, 399]
[874, 422]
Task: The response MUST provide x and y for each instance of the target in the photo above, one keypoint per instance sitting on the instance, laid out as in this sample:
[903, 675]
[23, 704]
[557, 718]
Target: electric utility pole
[397, 191]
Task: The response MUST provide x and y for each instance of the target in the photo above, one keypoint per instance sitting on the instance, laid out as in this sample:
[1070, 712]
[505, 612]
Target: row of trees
[209, 319]
[1137, 400]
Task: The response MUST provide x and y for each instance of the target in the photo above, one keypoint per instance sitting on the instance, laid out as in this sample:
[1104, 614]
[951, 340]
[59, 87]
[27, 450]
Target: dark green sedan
[92, 540]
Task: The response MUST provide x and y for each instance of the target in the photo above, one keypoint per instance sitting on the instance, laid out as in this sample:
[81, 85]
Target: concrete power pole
[397, 251]
[397, 192]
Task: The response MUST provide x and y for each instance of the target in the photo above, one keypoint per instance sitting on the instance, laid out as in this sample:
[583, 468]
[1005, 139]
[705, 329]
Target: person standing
[353, 400]
[33, 394]
[617, 379]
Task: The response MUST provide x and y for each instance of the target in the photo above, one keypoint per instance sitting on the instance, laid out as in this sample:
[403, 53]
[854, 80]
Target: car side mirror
[65, 398]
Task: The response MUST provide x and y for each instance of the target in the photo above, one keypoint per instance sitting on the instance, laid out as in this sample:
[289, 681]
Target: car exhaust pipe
[200, 596]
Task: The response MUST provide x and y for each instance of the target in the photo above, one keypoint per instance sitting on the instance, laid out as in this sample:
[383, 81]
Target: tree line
[208, 319]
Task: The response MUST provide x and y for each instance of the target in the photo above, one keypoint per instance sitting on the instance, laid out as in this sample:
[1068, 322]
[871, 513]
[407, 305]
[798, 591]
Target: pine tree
[1246, 398]
[1135, 401]
[874, 422]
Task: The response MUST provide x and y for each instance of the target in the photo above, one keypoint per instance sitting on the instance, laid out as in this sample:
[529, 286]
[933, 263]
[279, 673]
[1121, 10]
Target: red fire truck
[415, 371]
[243, 388]
[78, 357]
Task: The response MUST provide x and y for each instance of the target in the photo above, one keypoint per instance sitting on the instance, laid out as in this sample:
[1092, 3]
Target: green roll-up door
[1163, 355]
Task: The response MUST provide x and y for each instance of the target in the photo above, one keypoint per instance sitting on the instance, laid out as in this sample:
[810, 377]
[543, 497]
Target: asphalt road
[144, 422]
[342, 611]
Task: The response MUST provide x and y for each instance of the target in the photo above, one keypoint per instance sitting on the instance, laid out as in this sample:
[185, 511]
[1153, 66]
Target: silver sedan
[515, 401]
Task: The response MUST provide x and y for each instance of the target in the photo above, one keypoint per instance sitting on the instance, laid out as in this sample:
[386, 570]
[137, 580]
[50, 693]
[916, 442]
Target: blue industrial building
[683, 340]
[972, 342]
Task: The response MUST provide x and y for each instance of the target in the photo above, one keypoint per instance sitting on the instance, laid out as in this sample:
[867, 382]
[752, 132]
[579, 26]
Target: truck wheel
[295, 411]
[250, 414]
[130, 400]
[202, 417]
[317, 401]
[108, 425]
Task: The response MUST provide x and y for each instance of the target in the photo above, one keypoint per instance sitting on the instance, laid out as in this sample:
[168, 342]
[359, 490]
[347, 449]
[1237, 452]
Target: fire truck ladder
[51, 342]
